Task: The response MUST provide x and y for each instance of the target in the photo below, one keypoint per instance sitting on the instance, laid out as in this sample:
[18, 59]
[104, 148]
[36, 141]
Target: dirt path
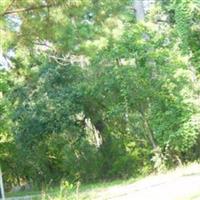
[174, 186]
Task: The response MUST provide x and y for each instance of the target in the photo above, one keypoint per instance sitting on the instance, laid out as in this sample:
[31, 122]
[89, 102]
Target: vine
[182, 18]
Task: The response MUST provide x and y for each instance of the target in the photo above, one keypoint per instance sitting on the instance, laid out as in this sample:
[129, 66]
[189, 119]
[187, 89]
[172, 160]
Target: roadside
[180, 184]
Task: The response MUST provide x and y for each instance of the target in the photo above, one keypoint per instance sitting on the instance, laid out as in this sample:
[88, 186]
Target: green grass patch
[84, 191]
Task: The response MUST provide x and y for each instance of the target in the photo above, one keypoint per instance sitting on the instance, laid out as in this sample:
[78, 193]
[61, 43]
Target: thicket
[89, 94]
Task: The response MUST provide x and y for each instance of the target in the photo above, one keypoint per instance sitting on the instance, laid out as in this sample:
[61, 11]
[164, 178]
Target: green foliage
[92, 95]
[183, 18]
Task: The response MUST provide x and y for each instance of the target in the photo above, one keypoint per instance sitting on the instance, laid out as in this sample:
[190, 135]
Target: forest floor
[180, 184]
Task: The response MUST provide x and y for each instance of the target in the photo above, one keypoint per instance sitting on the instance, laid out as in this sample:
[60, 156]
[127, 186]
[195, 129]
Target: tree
[139, 10]
[89, 83]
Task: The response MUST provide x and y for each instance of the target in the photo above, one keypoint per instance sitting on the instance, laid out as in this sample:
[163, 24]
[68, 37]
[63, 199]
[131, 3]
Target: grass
[87, 191]
[22, 193]
[91, 191]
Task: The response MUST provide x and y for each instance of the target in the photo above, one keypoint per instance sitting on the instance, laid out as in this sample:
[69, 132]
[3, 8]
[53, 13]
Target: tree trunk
[158, 157]
[149, 131]
[139, 10]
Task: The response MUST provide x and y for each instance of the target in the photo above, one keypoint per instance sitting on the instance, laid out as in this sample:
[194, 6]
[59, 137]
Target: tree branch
[7, 12]
[8, 7]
